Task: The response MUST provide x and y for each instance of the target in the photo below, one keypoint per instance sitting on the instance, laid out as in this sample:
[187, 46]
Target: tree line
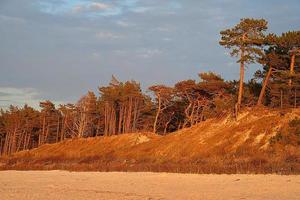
[122, 107]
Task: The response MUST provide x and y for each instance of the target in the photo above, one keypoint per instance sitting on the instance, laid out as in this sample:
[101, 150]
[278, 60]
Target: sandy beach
[66, 185]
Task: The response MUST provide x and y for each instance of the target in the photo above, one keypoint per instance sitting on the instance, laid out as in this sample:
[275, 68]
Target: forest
[122, 107]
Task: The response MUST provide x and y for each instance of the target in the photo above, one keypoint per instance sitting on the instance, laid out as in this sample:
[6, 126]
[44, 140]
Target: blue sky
[59, 49]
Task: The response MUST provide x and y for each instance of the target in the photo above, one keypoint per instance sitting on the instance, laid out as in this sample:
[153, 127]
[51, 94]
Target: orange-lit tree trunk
[57, 129]
[242, 74]
[120, 118]
[41, 136]
[292, 68]
[167, 123]
[241, 87]
[135, 114]
[157, 113]
[264, 87]
[62, 132]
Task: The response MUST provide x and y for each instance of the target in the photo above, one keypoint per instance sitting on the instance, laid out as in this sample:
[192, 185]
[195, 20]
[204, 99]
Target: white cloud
[107, 35]
[96, 55]
[141, 9]
[140, 52]
[20, 97]
[99, 6]
[149, 53]
[165, 28]
[10, 19]
[167, 39]
[123, 23]
[90, 7]
[119, 52]
[78, 8]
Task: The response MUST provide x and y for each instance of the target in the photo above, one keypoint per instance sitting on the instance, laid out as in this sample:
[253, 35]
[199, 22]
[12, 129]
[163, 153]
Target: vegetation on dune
[122, 107]
[259, 141]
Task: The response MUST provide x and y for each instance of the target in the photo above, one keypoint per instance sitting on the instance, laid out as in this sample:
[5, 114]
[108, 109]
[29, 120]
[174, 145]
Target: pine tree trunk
[242, 74]
[135, 114]
[113, 121]
[193, 115]
[28, 140]
[166, 126]
[106, 120]
[47, 134]
[81, 124]
[25, 140]
[6, 140]
[14, 141]
[124, 119]
[128, 122]
[157, 113]
[57, 129]
[62, 132]
[120, 119]
[292, 68]
[41, 137]
[21, 140]
[167, 123]
[264, 87]
[187, 114]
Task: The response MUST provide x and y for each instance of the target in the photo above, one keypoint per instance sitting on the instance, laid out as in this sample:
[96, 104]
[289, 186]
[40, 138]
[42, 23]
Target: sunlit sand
[25, 185]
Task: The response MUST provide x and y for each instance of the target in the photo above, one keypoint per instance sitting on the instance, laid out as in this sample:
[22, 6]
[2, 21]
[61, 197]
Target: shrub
[295, 122]
[277, 138]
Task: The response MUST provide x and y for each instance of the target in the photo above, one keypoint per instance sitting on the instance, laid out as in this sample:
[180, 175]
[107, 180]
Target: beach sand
[66, 185]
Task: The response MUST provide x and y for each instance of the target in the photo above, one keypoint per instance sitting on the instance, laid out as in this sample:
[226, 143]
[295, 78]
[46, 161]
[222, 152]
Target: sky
[59, 49]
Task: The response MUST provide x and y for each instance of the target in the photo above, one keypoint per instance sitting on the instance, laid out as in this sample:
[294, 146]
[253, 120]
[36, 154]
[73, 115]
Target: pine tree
[164, 97]
[122, 106]
[50, 120]
[86, 109]
[272, 61]
[279, 68]
[245, 40]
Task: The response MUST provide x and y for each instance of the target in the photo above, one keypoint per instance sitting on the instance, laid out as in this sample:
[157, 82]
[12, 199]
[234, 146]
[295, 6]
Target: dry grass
[215, 146]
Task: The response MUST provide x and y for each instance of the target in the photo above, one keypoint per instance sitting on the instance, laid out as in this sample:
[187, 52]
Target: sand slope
[65, 185]
[220, 145]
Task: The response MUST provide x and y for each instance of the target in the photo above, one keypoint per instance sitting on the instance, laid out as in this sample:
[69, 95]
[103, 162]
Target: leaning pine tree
[272, 62]
[245, 41]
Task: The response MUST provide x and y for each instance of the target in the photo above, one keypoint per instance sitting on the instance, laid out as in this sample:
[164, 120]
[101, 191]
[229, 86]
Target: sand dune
[65, 185]
[221, 145]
